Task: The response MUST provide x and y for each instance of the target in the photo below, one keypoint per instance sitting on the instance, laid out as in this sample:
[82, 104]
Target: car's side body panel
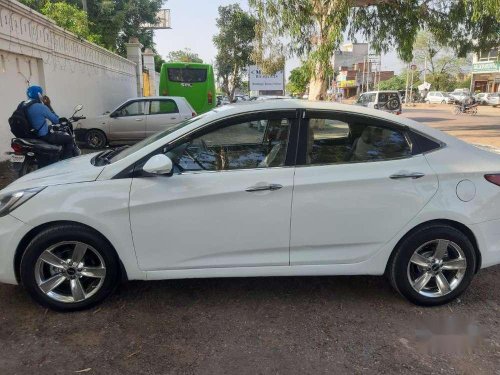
[101, 205]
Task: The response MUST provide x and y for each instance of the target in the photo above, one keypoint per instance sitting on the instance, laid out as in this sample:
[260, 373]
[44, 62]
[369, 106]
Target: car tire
[95, 139]
[443, 101]
[69, 267]
[442, 270]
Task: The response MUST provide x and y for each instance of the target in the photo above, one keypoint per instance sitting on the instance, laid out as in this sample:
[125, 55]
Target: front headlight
[10, 201]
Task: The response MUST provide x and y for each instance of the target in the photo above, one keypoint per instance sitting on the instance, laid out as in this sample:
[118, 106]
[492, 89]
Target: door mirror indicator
[159, 165]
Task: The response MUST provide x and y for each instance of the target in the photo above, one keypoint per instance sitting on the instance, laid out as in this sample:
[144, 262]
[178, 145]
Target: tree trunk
[317, 84]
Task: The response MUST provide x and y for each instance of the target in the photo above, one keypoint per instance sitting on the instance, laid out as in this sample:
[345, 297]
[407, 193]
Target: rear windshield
[187, 75]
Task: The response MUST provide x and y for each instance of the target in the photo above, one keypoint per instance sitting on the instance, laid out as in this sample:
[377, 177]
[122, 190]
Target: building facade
[486, 71]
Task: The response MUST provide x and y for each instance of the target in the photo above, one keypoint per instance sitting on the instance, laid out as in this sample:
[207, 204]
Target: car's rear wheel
[433, 265]
[95, 139]
[69, 268]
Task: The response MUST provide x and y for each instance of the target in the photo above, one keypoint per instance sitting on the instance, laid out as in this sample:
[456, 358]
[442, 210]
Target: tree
[234, 47]
[441, 64]
[112, 22]
[185, 55]
[299, 80]
[314, 28]
[158, 62]
[70, 18]
[394, 83]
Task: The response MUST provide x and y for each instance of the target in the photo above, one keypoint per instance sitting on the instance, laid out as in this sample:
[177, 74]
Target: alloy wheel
[437, 268]
[70, 271]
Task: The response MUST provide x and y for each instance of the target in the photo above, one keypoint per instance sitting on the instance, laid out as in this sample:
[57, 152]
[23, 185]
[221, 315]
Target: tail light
[194, 114]
[210, 97]
[493, 178]
[17, 148]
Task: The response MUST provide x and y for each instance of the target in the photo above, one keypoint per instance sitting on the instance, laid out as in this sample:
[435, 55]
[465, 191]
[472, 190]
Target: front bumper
[12, 231]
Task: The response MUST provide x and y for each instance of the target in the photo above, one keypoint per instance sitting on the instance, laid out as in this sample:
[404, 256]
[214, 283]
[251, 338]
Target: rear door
[128, 123]
[163, 113]
[361, 180]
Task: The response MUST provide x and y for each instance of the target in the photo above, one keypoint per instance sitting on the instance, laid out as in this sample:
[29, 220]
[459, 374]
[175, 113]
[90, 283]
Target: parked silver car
[133, 120]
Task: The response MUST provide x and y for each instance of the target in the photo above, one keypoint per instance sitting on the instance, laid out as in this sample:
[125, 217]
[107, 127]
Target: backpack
[19, 124]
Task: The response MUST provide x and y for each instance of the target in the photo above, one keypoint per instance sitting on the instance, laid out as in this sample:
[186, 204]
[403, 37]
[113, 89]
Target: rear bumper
[12, 231]
[488, 238]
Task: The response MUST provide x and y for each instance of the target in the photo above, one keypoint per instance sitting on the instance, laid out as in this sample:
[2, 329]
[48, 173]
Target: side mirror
[78, 108]
[159, 164]
[113, 114]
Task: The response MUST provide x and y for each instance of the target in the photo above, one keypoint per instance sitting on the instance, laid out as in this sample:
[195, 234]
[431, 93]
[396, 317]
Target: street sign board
[163, 21]
[258, 81]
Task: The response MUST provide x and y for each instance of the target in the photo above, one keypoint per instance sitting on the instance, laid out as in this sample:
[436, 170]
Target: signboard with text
[260, 82]
[486, 67]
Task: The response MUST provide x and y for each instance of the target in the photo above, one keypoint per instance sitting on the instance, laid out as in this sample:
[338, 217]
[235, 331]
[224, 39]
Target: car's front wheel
[96, 139]
[433, 265]
[69, 268]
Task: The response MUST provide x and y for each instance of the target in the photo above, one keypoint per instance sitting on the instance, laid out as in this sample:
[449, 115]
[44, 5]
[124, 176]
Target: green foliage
[159, 61]
[185, 55]
[110, 23]
[234, 47]
[70, 18]
[395, 83]
[464, 25]
[299, 80]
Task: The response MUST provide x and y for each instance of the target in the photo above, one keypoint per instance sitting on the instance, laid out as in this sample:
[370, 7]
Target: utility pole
[407, 79]
[84, 5]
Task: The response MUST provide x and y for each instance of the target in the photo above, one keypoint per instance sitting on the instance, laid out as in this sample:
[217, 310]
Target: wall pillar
[149, 64]
[134, 54]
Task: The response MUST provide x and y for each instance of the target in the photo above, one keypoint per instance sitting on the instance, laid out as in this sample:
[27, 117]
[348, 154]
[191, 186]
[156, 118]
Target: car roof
[383, 91]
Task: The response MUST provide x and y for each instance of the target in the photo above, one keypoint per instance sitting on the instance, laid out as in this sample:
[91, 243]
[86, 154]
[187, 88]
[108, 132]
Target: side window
[251, 144]
[333, 142]
[132, 109]
[158, 107]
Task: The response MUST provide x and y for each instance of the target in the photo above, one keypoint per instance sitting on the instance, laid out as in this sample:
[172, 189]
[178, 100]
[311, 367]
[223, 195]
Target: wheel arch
[452, 223]
[28, 237]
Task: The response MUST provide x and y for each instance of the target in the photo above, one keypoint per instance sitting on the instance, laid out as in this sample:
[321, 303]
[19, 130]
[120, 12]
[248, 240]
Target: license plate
[17, 158]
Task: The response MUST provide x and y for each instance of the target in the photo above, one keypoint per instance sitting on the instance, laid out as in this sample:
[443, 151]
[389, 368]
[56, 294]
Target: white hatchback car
[438, 97]
[320, 189]
[134, 120]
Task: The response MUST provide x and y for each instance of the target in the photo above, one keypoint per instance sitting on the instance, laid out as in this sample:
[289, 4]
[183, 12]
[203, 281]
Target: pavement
[289, 325]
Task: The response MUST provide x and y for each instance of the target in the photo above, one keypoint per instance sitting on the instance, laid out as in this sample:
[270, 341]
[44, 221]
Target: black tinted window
[332, 141]
[187, 75]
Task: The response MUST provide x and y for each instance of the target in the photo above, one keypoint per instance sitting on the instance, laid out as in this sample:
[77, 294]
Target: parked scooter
[30, 154]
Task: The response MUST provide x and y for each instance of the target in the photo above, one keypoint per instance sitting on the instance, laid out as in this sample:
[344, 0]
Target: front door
[361, 182]
[128, 123]
[228, 202]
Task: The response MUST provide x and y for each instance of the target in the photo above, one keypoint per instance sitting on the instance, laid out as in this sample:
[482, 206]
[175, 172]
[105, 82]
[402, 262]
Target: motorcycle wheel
[29, 165]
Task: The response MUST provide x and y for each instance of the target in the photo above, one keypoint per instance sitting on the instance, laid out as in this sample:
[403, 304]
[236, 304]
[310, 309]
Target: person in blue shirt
[38, 113]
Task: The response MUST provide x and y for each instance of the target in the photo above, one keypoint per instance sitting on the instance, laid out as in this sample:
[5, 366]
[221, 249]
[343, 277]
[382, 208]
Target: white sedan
[322, 189]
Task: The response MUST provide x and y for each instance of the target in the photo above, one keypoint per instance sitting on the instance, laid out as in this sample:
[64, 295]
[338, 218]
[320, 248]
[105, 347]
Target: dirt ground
[289, 325]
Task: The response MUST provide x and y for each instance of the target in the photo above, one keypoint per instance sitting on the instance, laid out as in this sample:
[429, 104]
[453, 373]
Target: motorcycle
[470, 109]
[30, 154]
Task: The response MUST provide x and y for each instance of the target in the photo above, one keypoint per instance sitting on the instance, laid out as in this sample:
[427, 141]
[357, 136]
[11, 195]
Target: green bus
[193, 81]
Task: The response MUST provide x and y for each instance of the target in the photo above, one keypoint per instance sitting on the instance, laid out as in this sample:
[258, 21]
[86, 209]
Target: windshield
[146, 142]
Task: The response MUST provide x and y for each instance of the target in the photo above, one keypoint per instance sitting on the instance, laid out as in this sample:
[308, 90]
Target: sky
[193, 27]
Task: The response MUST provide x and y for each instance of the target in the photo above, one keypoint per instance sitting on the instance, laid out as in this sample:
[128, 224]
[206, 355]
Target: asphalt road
[287, 325]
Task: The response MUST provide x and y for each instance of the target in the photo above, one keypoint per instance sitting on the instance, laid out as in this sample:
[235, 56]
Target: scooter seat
[39, 145]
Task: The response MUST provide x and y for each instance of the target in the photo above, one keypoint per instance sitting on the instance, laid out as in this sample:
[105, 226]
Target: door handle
[413, 175]
[138, 119]
[270, 187]
[173, 118]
